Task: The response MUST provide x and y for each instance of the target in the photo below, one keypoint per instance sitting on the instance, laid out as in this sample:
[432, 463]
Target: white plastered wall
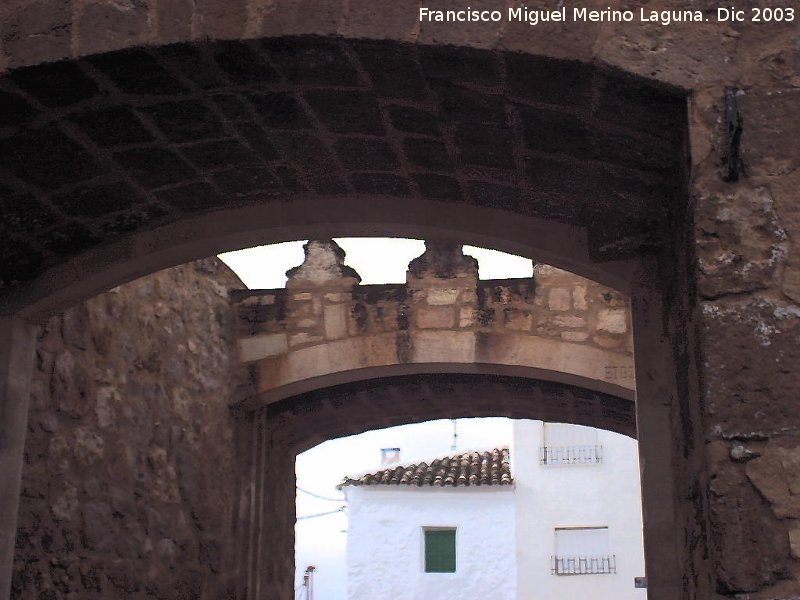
[606, 494]
[385, 558]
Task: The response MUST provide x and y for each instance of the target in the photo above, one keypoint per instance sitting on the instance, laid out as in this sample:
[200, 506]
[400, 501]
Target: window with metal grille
[440, 550]
[565, 444]
[583, 551]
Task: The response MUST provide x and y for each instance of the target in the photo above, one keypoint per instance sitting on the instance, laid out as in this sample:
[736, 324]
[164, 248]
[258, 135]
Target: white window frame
[580, 563]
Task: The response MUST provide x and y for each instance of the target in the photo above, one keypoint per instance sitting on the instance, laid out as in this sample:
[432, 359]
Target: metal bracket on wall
[735, 125]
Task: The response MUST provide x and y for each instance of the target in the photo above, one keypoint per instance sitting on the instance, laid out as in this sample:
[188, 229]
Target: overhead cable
[312, 494]
[330, 512]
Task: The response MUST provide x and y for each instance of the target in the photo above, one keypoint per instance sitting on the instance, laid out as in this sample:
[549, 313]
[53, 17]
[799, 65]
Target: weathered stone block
[335, 316]
[372, 21]
[174, 19]
[733, 496]
[612, 320]
[569, 321]
[299, 339]
[794, 542]
[220, 19]
[790, 463]
[64, 503]
[605, 341]
[320, 17]
[262, 346]
[107, 26]
[106, 401]
[574, 336]
[559, 298]
[469, 296]
[38, 32]
[734, 379]
[517, 319]
[441, 296]
[579, 297]
[467, 317]
[337, 297]
[740, 240]
[435, 318]
[769, 475]
[443, 346]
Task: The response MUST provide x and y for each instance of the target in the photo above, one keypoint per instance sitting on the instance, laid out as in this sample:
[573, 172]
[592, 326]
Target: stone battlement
[324, 321]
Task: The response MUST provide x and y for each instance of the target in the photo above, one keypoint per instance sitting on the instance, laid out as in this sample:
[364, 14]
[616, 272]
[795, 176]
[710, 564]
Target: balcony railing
[584, 565]
[570, 455]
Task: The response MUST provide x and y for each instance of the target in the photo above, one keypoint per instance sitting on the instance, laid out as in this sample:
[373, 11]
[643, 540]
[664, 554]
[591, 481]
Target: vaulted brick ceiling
[114, 144]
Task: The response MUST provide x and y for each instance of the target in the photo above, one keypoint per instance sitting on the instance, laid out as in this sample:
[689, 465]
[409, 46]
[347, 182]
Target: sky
[320, 540]
[377, 260]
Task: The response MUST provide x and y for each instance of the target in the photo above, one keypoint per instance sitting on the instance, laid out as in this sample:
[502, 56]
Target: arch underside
[305, 420]
[569, 376]
[120, 164]
[116, 165]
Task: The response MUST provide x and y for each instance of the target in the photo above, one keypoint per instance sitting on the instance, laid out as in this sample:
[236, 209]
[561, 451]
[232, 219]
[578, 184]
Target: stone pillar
[268, 535]
[669, 428]
[17, 347]
[657, 448]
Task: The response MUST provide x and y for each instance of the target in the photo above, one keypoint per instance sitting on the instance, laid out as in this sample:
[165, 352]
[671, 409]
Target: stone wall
[130, 479]
[746, 231]
[324, 323]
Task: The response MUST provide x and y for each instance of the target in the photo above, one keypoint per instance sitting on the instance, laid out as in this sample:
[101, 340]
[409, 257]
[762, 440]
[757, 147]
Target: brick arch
[110, 175]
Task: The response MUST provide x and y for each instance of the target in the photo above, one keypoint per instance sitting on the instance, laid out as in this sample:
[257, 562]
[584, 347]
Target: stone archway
[330, 358]
[193, 174]
[281, 430]
[324, 329]
[746, 284]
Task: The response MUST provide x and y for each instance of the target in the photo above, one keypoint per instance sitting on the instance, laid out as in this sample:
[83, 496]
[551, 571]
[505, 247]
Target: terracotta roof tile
[470, 468]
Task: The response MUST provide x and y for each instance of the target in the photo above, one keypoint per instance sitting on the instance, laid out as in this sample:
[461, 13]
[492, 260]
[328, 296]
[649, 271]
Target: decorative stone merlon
[323, 266]
[443, 260]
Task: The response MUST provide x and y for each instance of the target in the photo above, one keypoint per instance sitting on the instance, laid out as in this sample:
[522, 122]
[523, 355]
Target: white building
[424, 531]
[567, 526]
[578, 511]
